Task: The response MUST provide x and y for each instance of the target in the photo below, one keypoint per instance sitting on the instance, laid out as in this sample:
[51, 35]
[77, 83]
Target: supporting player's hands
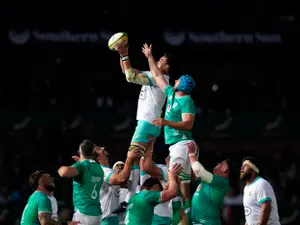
[175, 170]
[147, 50]
[73, 222]
[159, 122]
[122, 48]
[134, 154]
[192, 148]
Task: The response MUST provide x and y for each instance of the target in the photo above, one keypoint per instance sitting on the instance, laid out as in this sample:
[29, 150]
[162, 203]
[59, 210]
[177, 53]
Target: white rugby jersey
[255, 194]
[151, 100]
[162, 209]
[54, 207]
[109, 194]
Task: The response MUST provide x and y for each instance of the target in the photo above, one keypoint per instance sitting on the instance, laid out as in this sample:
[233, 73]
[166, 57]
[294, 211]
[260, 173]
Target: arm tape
[130, 74]
[201, 172]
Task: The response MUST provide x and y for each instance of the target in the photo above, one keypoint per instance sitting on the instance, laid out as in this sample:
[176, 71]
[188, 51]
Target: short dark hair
[252, 160]
[35, 178]
[87, 148]
[150, 182]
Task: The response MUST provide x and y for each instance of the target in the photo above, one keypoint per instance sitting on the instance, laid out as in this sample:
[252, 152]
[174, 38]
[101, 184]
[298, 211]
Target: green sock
[176, 207]
[187, 210]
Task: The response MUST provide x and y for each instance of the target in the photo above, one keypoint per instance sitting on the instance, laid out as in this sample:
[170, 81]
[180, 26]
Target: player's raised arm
[68, 171]
[197, 168]
[172, 190]
[156, 72]
[132, 75]
[123, 176]
[148, 164]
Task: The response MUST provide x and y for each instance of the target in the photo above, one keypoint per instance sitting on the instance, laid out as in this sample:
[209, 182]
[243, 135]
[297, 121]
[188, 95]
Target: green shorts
[112, 220]
[161, 220]
[143, 130]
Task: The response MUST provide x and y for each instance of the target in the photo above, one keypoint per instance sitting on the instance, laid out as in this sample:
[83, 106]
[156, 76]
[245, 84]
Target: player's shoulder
[261, 182]
[39, 196]
[161, 166]
[106, 168]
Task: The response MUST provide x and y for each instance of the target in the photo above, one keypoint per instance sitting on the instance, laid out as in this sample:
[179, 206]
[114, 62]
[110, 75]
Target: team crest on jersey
[175, 105]
[169, 108]
[199, 187]
[250, 192]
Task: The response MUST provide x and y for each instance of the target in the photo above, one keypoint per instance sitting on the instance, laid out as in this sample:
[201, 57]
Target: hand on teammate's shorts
[159, 122]
[176, 169]
[73, 222]
[134, 154]
[122, 48]
[192, 148]
[147, 50]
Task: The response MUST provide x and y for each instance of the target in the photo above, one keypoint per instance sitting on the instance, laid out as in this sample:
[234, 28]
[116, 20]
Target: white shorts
[85, 219]
[179, 154]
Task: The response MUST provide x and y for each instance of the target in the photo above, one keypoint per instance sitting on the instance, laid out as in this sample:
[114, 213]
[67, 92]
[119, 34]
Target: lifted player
[150, 103]
[178, 123]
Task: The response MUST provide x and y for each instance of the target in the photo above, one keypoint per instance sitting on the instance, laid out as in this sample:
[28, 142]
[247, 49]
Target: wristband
[125, 58]
[192, 154]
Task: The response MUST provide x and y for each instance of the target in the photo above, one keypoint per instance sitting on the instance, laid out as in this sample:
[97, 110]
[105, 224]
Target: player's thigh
[179, 155]
[85, 219]
[143, 130]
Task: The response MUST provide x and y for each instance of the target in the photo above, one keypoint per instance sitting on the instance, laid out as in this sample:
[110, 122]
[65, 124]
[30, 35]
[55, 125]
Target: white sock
[133, 182]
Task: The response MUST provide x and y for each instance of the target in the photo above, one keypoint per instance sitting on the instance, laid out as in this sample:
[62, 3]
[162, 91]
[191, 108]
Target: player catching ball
[150, 103]
[178, 123]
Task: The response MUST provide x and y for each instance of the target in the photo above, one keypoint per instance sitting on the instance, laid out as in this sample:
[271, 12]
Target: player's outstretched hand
[134, 154]
[159, 122]
[147, 50]
[176, 169]
[73, 222]
[76, 158]
[122, 48]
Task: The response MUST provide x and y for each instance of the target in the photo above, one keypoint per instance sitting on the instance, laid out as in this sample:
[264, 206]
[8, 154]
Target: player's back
[151, 100]
[208, 200]
[38, 202]
[141, 206]
[86, 187]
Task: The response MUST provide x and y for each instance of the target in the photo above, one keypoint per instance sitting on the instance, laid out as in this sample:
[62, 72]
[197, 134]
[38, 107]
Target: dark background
[61, 84]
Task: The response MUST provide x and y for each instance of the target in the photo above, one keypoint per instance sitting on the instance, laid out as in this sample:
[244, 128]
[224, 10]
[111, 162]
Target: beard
[50, 187]
[246, 176]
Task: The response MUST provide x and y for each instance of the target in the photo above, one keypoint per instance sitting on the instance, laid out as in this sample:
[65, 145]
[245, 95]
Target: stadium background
[60, 84]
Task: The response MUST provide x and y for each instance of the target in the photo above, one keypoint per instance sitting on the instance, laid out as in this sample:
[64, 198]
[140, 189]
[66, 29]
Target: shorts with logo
[179, 154]
[85, 219]
[112, 220]
[143, 130]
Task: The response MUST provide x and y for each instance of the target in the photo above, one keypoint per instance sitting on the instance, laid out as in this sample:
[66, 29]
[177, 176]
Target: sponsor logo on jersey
[95, 179]
[117, 192]
[247, 211]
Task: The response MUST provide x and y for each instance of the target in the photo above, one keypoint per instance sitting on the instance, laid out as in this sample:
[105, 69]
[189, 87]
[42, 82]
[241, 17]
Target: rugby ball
[117, 39]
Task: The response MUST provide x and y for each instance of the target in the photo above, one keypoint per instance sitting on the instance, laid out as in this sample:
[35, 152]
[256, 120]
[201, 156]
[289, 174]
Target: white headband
[254, 167]
[119, 162]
